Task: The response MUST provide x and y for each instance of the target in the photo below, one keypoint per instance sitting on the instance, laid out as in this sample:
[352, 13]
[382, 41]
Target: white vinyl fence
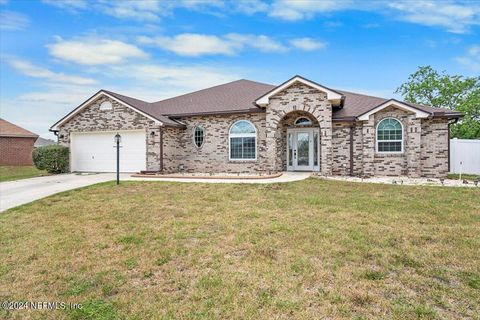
[465, 156]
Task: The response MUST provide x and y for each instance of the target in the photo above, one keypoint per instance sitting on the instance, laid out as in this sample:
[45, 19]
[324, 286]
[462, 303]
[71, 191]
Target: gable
[332, 95]
[395, 104]
[91, 101]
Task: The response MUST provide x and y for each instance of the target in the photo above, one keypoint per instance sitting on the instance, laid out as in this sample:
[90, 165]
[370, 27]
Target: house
[16, 145]
[42, 142]
[251, 127]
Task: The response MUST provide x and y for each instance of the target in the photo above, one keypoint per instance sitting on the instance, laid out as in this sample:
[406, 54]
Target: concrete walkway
[285, 177]
[16, 193]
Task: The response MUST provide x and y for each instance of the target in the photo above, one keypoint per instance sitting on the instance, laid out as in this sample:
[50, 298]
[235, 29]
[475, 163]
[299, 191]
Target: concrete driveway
[15, 193]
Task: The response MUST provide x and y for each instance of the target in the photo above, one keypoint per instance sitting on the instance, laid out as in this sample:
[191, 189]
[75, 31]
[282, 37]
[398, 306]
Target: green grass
[456, 176]
[304, 250]
[8, 173]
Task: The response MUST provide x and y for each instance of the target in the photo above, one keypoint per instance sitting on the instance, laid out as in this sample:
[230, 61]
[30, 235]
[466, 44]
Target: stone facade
[298, 97]
[119, 118]
[213, 155]
[425, 149]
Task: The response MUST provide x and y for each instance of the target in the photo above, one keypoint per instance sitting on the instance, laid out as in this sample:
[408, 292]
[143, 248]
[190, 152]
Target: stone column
[272, 119]
[326, 149]
[412, 147]
[368, 133]
[153, 148]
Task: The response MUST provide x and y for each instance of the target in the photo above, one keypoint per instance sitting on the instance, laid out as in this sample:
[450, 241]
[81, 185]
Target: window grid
[303, 121]
[243, 136]
[389, 136]
[198, 136]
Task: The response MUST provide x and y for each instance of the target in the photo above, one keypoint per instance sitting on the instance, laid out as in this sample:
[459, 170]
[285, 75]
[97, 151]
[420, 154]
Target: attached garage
[96, 151]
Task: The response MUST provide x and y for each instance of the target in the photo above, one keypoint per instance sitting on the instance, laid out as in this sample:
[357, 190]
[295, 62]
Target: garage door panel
[96, 151]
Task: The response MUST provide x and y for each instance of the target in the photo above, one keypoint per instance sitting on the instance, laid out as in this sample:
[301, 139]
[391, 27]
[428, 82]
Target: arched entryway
[298, 147]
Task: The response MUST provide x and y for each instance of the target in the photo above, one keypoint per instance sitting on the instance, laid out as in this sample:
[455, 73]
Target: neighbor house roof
[240, 96]
[42, 142]
[8, 129]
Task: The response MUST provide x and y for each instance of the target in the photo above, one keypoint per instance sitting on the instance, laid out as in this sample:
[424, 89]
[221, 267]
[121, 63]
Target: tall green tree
[429, 87]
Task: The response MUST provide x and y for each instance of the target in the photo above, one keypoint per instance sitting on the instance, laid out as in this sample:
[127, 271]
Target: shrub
[53, 158]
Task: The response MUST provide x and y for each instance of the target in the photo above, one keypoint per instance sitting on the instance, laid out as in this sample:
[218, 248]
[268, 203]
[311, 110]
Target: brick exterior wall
[213, 155]
[425, 146]
[119, 118]
[298, 97]
[16, 151]
[425, 140]
[434, 148]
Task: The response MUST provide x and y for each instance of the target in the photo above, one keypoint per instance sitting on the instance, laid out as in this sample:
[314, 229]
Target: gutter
[351, 150]
[453, 121]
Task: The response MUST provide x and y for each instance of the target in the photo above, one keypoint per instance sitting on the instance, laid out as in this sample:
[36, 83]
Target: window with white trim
[106, 105]
[390, 136]
[198, 136]
[243, 141]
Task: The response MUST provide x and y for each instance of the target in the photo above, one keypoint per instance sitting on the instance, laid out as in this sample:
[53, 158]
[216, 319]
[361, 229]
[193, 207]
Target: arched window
[243, 141]
[303, 121]
[198, 136]
[390, 136]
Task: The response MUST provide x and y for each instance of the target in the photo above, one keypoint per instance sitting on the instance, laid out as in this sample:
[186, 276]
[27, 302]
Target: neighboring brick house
[16, 145]
[250, 127]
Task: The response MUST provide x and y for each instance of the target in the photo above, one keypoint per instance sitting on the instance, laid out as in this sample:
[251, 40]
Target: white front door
[96, 151]
[302, 149]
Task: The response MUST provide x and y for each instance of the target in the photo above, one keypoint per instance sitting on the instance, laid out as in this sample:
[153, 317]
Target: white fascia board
[331, 95]
[99, 94]
[418, 113]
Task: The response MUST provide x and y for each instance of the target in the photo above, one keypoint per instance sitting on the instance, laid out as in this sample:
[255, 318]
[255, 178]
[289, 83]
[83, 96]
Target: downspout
[161, 149]
[448, 126]
[351, 150]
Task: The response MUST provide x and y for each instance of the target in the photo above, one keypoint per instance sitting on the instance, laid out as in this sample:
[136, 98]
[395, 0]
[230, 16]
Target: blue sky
[55, 54]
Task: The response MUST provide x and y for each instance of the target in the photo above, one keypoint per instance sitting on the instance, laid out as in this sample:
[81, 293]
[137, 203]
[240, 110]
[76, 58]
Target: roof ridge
[361, 94]
[122, 95]
[216, 86]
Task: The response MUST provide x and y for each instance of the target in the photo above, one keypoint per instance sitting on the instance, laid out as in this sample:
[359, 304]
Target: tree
[428, 87]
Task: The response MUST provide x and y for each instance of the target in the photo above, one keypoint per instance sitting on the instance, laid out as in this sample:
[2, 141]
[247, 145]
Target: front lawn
[464, 176]
[8, 173]
[304, 250]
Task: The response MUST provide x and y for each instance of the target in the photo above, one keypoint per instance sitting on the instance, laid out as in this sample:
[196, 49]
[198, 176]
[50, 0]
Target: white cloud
[161, 79]
[10, 20]
[455, 17]
[307, 44]
[193, 44]
[30, 70]
[293, 10]
[44, 107]
[259, 42]
[94, 51]
[250, 7]
[139, 10]
[146, 81]
[472, 59]
[71, 5]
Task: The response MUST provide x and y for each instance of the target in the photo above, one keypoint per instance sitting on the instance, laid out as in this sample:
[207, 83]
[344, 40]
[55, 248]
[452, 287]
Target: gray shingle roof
[239, 96]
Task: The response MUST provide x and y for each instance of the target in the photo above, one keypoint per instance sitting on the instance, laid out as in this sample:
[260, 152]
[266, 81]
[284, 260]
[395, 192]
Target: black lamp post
[118, 139]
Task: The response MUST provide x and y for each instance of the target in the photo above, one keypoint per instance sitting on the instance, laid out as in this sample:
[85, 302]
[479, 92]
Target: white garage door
[96, 151]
